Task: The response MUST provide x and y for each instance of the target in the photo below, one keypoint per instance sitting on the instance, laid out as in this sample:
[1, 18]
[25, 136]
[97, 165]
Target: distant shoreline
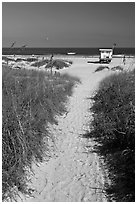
[67, 56]
[63, 51]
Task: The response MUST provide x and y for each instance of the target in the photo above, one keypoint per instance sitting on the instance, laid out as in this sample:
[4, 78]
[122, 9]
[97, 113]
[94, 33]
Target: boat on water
[71, 53]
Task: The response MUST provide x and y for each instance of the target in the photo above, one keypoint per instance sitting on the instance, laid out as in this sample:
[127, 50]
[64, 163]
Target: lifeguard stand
[105, 55]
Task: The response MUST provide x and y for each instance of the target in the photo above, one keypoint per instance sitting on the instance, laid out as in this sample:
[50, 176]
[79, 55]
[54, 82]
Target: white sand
[73, 174]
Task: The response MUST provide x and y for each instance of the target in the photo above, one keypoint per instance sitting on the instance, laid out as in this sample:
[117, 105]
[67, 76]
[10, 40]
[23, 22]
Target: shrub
[59, 64]
[40, 63]
[100, 68]
[30, 100]
[7, 58]
[113, 128]
[119, 68]
[31, 59]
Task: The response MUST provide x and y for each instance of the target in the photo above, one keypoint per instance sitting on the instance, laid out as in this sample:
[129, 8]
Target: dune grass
[119, 68]
[40, 63]
[30, 100]
[6, 58]
[57, 63]
[113, 127]
[100, 68]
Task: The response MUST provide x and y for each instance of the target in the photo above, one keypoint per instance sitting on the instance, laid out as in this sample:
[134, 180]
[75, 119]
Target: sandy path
[73, 174]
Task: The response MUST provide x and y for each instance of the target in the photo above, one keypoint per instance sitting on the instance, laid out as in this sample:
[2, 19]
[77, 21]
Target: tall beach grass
[113, 128]
[30, 100]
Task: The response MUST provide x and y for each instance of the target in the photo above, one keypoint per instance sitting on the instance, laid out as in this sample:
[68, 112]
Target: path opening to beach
[74, 173]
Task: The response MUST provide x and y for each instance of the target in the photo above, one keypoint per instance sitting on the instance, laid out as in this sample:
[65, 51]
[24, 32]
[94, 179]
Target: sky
[68, 24]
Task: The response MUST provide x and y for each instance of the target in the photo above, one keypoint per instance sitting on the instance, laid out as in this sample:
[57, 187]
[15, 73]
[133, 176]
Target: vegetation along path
[73, 174]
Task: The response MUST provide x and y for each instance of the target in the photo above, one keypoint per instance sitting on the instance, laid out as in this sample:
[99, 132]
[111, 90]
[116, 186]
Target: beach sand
[74, 173]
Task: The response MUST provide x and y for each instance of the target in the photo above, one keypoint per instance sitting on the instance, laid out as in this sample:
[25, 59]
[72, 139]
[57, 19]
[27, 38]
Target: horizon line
[65, 47]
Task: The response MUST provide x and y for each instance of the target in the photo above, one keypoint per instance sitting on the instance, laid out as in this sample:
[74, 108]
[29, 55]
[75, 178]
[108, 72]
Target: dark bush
[40, 63]
[31, 59]
[58, 64]
[119, 68]
[100, 68]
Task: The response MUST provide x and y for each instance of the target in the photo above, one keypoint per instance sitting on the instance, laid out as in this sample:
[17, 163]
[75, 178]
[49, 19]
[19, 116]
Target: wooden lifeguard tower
[106, 55]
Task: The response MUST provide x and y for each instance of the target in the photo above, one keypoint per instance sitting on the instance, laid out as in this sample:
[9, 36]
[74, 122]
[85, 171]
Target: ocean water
[63, 51]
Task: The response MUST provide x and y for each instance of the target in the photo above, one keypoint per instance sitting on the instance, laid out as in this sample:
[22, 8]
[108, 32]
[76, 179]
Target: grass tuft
[119, 68]
[58, 64]
[113, 128]
[40, 63]
[100, 68]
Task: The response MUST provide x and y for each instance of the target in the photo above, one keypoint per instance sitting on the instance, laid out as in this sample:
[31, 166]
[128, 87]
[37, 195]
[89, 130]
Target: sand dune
[73, 173]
